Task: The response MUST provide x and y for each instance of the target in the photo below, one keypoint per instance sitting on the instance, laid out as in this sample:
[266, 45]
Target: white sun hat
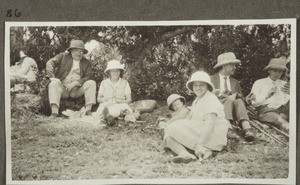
[174, 97]
[226, 58]
[113, 64]
[200, 76]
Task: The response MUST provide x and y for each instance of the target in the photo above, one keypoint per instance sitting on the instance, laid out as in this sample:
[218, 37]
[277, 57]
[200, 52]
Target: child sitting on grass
[176, 103]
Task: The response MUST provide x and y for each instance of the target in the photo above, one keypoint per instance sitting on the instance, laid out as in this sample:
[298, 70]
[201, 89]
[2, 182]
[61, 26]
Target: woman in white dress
[114, 93]
[205, 130]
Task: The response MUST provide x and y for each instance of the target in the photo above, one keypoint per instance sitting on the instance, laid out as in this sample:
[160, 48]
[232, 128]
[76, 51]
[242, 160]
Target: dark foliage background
[159, 59]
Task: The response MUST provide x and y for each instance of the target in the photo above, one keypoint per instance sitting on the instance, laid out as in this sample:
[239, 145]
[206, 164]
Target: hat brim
[70, 48]
[107, 70]
[190, 83]
[181, 97]
[235, 61]
[275, 67]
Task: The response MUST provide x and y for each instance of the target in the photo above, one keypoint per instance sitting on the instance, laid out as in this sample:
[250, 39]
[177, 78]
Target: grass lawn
[60, 149]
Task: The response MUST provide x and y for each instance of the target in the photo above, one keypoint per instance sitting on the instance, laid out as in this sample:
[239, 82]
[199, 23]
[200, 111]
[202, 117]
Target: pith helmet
[200, 76]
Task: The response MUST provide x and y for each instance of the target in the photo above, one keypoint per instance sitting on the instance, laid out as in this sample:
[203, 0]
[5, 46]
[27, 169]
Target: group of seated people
[202, 128]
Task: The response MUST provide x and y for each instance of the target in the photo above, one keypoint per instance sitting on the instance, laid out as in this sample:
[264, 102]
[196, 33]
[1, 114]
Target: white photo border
[292, 141]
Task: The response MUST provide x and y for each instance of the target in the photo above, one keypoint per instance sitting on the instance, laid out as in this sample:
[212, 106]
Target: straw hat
[174, 97]
[200, 76]
[277, 63]
[113, 64]
[226, 58]
[77, 44]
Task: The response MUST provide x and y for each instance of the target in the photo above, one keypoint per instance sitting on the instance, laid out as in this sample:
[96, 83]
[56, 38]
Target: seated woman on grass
[206, 128]
[114, 93]
[23, 71]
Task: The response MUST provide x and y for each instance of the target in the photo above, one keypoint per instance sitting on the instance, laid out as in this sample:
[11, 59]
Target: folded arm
[52, 64]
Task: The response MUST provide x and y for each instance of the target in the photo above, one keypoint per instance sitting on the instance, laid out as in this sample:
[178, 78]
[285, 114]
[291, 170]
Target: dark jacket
[60, 66]
[234, 84]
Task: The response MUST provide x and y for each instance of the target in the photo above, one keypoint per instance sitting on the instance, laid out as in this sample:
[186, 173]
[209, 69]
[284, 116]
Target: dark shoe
[283, 124]
[88, 113]
[110, 120]
[285, 128]
[183, 159]
[249, 136]
[232, 135]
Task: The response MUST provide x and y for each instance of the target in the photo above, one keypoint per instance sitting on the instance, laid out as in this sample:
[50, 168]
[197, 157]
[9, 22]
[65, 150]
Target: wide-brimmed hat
[200, 76]
[77, 44]
[277, 63]
[174, 97]
[114, 64]
[226, 58]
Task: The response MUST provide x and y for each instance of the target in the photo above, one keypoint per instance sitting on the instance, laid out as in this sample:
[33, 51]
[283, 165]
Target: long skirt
[191, 133]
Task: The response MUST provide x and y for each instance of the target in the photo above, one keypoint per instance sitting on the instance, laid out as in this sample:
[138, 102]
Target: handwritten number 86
[16, 13]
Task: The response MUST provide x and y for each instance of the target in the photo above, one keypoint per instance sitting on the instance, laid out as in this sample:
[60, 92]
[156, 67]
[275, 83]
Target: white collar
[116, 84]
[223, 76]
[272, 81]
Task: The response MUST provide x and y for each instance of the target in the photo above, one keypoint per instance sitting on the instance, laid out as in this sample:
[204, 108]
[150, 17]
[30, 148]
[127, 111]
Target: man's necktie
[225, 83]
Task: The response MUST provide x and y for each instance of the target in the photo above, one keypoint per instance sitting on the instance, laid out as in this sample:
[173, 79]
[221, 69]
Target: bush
[159, 59]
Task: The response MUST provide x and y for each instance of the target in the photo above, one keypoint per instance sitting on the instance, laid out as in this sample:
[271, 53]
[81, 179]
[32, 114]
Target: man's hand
[224, 94]
[221, 96]
[286, 88]
[54, 79]
[250, 97]
[271, 92]
[71, 85]
[112, 100]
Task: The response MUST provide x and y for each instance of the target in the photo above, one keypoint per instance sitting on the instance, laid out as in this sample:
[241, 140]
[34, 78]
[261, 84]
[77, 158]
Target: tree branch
[166, 36]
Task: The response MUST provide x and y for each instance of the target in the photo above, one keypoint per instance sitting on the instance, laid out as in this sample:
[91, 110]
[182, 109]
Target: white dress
[191, 132]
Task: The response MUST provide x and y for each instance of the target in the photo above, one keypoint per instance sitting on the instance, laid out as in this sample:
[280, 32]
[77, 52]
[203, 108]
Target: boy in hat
[229, 92]
[271, 95]
[70, 75]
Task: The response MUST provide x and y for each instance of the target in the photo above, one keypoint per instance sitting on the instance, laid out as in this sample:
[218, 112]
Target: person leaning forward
[229, 92]
[271, 95]
[72, 78]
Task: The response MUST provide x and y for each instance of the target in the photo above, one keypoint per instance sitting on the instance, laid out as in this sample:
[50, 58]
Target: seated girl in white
[114, 93]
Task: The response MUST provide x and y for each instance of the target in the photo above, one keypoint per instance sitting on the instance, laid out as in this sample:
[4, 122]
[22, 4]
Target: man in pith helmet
[70, 75]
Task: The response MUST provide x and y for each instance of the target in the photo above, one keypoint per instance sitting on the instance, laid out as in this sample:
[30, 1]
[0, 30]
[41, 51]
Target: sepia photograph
[151, 102]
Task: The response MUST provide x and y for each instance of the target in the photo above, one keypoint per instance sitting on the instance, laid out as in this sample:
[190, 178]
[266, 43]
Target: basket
[144, 106]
